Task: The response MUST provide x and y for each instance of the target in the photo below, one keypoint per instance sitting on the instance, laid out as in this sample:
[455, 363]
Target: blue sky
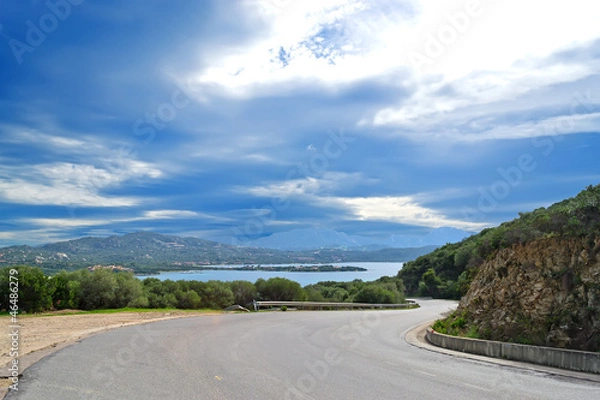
[232, 120]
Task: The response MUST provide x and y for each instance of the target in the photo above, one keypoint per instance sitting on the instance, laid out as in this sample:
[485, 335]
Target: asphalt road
[282, 355]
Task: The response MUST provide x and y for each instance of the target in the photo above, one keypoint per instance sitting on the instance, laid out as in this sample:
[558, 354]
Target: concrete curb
[417, 337]
[574, 360]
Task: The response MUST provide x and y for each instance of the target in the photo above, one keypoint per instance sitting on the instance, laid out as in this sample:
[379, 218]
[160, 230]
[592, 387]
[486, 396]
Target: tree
[279, 289]
[97, 289]
[375, 294]
[34, 294]
[216, 295]
[243, 292]
[188, 300]
[128, 289]
[65, 290]
[432, 284]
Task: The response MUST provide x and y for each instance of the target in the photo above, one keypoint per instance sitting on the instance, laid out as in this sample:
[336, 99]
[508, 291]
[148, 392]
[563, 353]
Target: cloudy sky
[237, 119]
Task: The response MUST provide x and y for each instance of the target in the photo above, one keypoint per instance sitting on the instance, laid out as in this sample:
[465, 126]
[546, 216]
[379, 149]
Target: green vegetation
[448, 271]
[385, 290]
[456, 325]
[104, 289]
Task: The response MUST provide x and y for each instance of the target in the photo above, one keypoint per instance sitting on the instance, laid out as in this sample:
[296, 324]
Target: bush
[216, 294]
[280, 289]
[376, 294]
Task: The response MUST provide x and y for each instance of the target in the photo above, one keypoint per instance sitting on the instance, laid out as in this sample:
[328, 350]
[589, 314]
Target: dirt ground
[44, 333]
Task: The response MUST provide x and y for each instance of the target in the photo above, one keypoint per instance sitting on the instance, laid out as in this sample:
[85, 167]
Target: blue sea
[374, 271]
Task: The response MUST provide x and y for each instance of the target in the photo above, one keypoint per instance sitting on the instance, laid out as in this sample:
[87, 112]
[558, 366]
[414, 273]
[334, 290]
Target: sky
[232, 120]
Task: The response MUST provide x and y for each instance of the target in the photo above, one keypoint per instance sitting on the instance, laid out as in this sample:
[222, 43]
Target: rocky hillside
[533, 280]
[544, 292]
[448, 271]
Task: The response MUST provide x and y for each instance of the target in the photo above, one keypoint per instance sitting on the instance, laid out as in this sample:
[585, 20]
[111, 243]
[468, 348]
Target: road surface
[282, 355]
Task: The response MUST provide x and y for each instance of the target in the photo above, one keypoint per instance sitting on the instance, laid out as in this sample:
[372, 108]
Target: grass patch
[456, 325]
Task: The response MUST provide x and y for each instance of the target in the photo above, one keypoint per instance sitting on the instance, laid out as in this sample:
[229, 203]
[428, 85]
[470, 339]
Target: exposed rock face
[545, 292]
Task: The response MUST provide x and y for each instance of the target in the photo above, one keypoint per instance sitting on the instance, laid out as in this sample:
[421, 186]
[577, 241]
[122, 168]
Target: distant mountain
[322, 238]
[141, 250]
[436, 237]
[147, 251]
[311, 238]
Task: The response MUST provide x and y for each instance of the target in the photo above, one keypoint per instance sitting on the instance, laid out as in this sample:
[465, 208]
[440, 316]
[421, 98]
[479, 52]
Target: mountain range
[149, 252]
[320, 238]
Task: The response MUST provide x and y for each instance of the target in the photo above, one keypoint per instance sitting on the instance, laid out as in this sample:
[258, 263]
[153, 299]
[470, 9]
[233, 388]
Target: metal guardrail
[320, 304]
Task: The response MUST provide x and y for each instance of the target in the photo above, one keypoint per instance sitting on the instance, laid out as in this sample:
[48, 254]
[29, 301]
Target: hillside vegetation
[534, 280]
[149, 252]
[448, 271]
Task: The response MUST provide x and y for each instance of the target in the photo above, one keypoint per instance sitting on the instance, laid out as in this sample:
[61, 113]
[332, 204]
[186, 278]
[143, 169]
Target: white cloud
[294, 187]
[503, 57]
[56, 193]
[329, 182]
[327, 41]
[68, 184]
[170, 214]
[62, 223]
[341, 41]
[399, 209]
[76, 184]
[426, 107]
[149, 215]
[18, 134]
[552, 126]
[561, 125]
[499, 51]
[25, 135]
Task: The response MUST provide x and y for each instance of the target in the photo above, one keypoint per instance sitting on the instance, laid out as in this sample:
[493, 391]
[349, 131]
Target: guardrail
[575, 360]
[320, 304]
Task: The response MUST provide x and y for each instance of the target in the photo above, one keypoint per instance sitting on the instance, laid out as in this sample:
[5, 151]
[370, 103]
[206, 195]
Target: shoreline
[277, 268]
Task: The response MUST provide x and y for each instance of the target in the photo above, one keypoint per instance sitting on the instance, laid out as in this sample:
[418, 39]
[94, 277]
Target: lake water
[374, 271]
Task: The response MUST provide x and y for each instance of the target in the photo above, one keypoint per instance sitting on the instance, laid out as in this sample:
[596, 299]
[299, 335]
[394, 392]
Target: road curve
[292, 355]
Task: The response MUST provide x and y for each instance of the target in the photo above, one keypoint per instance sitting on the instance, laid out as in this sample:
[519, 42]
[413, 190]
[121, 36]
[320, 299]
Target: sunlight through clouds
[369, 117]
[403, 210]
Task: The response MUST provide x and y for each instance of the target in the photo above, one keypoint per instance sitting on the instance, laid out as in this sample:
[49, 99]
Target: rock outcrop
[543, 292]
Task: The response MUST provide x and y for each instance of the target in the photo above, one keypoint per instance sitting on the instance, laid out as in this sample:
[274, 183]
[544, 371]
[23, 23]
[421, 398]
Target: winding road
[282, 355]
